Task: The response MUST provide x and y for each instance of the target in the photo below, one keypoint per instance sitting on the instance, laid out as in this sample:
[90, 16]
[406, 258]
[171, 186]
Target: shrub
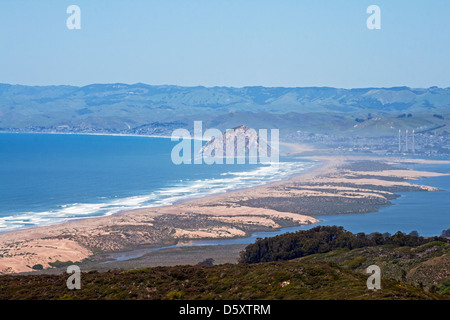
[444, 287]
[175, 295]
[207, 262]
[60, 264]
[355, 263]
[38, 267]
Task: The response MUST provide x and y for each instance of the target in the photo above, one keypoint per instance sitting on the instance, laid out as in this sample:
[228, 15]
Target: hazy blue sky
[226, 43]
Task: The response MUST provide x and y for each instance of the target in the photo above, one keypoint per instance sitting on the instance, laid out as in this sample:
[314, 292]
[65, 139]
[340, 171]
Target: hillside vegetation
[323, 239]
[422, 262]
[412, 268]
[273, 280]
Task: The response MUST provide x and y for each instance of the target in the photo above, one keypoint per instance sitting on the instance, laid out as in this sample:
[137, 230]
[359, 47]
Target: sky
[290, 43]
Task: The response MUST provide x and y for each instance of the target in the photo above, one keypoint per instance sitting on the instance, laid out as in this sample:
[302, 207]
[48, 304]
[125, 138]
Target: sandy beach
[334, 186]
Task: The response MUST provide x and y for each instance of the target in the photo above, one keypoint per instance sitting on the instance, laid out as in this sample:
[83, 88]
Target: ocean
[52, 178]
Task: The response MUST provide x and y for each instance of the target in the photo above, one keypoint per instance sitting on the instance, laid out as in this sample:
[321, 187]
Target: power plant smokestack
[399, 141]
[406, 141]
[413, 146]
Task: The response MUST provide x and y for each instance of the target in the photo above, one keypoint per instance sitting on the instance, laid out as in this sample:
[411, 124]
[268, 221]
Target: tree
[414, 233]
[323, 239]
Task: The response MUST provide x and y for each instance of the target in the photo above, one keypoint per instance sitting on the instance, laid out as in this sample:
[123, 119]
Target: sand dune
[232, 214]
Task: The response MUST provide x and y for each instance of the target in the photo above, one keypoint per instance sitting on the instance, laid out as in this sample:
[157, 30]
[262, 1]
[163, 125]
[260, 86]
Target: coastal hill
[146, 109]
[419, 261]
[321, 274]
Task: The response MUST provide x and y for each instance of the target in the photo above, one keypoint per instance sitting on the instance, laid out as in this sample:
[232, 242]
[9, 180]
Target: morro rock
[239, 142]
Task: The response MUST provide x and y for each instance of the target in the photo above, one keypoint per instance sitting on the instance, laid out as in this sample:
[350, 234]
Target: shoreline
[292, 150]
[177, 202]
[36, 236]
[89, 134]
[234, 214]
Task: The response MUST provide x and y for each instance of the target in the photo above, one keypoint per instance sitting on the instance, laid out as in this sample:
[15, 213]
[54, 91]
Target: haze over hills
[146, 109]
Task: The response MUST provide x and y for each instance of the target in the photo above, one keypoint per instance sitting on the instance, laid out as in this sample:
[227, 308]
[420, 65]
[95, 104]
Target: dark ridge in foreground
[412, 268]
[273, 280]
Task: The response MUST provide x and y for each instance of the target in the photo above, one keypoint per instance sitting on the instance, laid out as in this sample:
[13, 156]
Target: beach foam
[179, 191]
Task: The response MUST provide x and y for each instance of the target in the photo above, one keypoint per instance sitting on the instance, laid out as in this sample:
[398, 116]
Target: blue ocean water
[51, 178]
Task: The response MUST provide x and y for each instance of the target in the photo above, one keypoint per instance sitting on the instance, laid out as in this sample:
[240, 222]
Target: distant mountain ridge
[120, 107]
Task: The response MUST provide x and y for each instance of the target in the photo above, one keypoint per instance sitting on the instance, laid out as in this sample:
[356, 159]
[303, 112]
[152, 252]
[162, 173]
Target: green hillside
[146, 109]
[411, 268]
[273, 280]
[426, 266]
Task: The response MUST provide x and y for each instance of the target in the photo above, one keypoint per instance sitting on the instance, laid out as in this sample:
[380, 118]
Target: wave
[179, 191]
